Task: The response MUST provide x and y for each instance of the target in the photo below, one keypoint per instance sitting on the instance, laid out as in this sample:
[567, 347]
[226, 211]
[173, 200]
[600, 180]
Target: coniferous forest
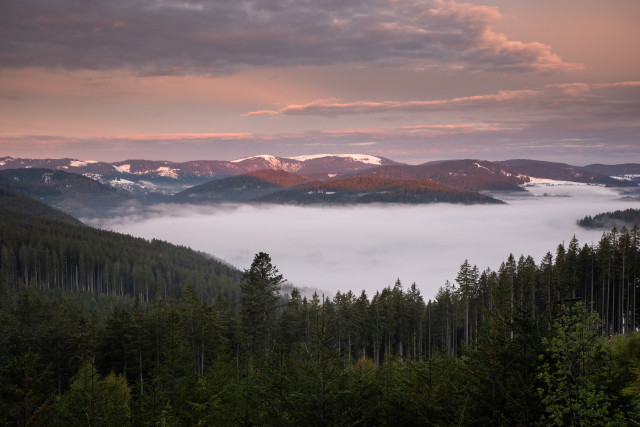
[99, 328]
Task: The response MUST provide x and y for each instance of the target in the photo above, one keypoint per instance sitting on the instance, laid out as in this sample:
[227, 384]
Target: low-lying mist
[369, 247]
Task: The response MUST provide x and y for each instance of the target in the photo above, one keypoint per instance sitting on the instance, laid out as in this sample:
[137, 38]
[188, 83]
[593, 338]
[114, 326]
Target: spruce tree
[260, 287]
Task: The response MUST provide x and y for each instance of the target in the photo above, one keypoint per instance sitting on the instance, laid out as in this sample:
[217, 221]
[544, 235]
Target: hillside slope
[374, 190]
[12, 201]
[281, 178]
[41, 250]
[74, 194]
[561, 172]
[234, 189]
[468, 175]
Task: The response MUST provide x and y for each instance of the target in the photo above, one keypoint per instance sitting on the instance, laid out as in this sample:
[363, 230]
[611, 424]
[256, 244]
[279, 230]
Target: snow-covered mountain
[167, 177]
[318, 165]
[152, 180]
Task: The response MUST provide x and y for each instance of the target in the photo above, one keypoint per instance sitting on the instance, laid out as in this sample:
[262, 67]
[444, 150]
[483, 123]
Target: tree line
[48, 254]
[548, 343]
[628, 218]
[523, 345]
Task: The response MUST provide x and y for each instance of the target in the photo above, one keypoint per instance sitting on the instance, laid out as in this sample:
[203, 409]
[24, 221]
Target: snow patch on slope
[79, 163]
[123, 168]
[628, 177]
[273, 162]
[266, 157]
[131, 186]
[483, 167]
[552, 187]
[167, 171]
[94, 176]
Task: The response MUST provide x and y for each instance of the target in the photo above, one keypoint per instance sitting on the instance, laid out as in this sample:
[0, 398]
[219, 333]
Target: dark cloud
[166, 37]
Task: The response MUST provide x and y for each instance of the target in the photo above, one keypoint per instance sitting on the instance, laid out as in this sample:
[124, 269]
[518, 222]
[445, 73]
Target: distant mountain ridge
[74, 194]
[171, 177]
[560, 172]
[468, 175]
[167, 177]
[624, 172]
[330, 163]
[110, 188]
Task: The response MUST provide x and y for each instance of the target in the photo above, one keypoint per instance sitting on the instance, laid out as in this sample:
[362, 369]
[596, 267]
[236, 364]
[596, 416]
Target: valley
[355, 247]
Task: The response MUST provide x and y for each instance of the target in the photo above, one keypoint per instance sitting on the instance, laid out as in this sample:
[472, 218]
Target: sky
[412, 81]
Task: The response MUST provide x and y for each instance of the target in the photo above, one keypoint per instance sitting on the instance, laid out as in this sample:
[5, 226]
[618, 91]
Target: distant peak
[266, 157]
[364, 158]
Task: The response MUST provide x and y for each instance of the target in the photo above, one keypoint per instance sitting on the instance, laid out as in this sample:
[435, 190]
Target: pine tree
[260, 287]
[467, 279]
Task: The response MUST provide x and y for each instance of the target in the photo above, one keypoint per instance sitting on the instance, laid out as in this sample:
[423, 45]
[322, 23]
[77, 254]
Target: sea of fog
[369, 247]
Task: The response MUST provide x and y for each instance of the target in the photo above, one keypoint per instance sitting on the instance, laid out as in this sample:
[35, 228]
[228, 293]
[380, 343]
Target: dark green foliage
[501, 370]
[16, 202]
[94, 401]
[260, 287]
[26, 396]
[163, 341]
[51, 254]
[580, 384]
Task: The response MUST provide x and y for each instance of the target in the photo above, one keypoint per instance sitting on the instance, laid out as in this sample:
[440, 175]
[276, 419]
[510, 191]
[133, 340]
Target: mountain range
[167, 177]
[87, 188]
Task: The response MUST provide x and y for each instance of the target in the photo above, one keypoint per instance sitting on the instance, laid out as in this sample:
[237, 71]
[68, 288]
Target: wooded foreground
[529, 344]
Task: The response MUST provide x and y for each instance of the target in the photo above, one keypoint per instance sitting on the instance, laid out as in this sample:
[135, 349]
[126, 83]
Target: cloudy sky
[409, 80]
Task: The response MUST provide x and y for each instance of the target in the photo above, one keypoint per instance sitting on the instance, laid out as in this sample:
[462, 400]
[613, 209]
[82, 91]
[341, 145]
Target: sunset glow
[409, 80]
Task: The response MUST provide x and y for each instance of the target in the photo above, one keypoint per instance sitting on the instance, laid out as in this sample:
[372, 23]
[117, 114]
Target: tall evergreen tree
[467, 279]
[260, 287]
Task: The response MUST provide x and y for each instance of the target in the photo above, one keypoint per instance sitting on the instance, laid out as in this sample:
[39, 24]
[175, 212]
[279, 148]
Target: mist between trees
[369, 247]
[526, 344]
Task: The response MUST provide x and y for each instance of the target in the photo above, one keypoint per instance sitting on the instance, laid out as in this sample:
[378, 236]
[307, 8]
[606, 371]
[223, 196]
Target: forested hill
[626, 218]
[468, 175]
[75, 194]
[16, 202]
[47, 249]
[233, 189]
[375, 190]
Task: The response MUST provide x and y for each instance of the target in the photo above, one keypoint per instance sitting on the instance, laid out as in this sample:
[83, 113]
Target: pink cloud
[549, 96]
[617, 84]
[331, 107]
[182, 136]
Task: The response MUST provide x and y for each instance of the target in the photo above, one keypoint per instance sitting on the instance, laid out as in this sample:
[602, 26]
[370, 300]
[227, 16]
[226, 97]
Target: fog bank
[369, 247]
